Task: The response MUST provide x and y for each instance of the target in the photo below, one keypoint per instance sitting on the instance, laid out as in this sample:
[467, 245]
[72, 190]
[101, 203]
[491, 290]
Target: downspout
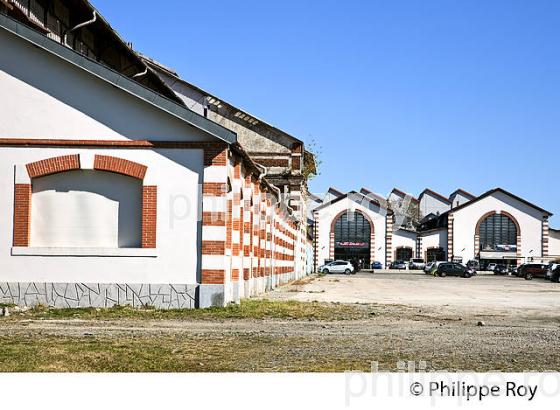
[142, 74]
[85, 23]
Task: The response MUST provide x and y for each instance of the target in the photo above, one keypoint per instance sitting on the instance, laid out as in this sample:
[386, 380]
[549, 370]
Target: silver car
[337, 267]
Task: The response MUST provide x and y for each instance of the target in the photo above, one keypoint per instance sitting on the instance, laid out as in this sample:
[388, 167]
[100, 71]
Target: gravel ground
[409, 317]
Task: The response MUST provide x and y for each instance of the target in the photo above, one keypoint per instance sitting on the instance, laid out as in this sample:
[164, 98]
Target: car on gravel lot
[555, 274]
[337, 267]
[490, 267]
[400, 265]
[376, 265]
[417, 264]
[532, 270]
[432, 266]
[501, 269]
[550, 270]
[454, 269]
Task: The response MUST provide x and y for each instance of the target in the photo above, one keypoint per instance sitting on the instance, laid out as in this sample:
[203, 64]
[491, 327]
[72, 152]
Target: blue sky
[413, 94]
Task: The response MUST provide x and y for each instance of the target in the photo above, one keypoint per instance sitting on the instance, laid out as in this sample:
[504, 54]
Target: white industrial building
[496, 226]
[114, 192]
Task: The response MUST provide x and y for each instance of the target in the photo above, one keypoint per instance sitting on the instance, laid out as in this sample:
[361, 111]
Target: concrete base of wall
[164, 296]
[74, 295]
[211, 295]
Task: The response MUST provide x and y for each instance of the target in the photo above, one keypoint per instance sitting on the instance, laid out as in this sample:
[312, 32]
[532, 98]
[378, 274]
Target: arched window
[352, 237]
[84, 208]
[498, 233]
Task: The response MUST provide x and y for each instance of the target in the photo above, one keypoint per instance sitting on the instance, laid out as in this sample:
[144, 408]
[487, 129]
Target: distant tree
[311, 163]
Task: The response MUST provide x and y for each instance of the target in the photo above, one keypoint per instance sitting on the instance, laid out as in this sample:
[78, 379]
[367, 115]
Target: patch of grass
[8, 305]
[169, 353]
[248, 309]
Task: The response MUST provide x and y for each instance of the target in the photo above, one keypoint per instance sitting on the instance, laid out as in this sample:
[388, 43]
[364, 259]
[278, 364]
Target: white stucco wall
[45, 97]
[177, 174]
[554, 243]
[434, 239]
[529, 219]
[328, 214]
[404, 239]
[458, 200]
[429, 204]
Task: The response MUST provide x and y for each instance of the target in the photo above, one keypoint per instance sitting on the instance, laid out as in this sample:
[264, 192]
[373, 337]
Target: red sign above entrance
[352, 244]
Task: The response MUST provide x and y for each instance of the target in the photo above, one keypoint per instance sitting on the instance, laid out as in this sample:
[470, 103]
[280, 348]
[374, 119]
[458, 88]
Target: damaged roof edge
[158, 66]
[116, 79]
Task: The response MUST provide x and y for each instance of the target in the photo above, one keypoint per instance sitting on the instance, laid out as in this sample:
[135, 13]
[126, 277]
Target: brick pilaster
[388, 240]
[149, 216]
[22, 214]
[450, 223]
[545, 237]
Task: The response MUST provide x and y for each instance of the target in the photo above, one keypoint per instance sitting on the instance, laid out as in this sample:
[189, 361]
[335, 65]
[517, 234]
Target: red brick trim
[273, 162]
[215, 154]
[119, 166]
[213, 248]
[149, 216]
[53, 165]
[39, 142]
[214, 188]
[213, 276]
[510, 216]
[213, 218]
[22, 214]
[296, 163]
[489, 214]
[49, 166]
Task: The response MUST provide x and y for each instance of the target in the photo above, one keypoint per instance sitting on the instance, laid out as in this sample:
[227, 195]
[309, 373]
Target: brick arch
[489, 214]
[65, 163]
[53, 165]
[371, 234]
[119, 166]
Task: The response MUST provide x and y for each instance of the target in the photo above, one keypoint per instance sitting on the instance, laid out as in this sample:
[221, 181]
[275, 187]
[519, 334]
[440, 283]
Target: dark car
[376, 265]
[555, 277]
[532, 270]
[501, 269]
[398, 265]
[454, 269]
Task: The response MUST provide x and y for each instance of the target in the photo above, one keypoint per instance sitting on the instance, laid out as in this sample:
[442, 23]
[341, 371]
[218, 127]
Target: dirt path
[446, 340]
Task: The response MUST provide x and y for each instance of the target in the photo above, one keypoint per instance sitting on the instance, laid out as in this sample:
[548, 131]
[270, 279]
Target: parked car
[337, 267]
[555, 277]
[550, 270]
[533, 270]
[454, 269]
[417, 263]
[398, 265]
[432, 266]
[501, 269]
[376, 265]
[356, 264]
[491, 266]
[473, 264]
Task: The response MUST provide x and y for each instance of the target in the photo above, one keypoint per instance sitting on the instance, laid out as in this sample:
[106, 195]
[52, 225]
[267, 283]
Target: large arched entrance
[498, 239]
[353, 233]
